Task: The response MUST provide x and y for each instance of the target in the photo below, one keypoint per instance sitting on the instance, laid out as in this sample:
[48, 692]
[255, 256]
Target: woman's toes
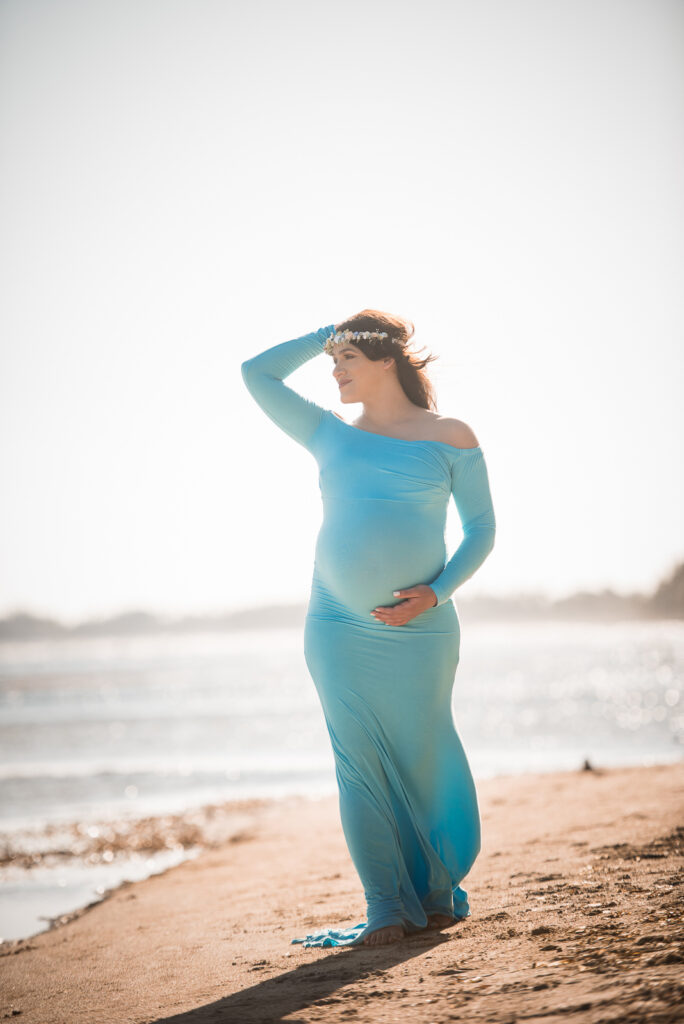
[439, 920]
[382, 936]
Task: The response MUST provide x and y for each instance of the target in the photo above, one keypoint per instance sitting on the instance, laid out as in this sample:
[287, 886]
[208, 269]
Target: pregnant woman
[381, 637]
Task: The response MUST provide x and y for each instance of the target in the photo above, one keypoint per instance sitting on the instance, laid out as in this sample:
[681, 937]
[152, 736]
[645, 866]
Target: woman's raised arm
[264, 373]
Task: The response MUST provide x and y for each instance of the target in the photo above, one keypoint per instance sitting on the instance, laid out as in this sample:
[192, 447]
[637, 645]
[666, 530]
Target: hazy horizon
[184, 185]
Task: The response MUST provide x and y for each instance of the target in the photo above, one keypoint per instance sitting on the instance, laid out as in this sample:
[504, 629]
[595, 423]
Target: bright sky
[183, 184]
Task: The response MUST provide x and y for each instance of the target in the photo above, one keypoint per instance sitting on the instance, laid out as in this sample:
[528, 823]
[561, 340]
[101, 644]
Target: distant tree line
[666, 602]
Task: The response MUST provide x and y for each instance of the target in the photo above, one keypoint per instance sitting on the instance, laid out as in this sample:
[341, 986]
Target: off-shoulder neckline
[402, 440]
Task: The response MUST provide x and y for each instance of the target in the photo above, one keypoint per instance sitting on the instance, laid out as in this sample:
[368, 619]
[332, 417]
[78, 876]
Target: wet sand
[577, 908]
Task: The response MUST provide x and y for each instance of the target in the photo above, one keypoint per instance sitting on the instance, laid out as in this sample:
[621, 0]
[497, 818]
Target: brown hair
[410, 367]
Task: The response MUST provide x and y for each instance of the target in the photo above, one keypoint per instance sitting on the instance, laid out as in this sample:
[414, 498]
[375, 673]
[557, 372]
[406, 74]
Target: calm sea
[92, 727]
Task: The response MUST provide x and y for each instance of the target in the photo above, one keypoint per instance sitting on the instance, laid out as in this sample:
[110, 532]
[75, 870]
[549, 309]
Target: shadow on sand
[308, 984]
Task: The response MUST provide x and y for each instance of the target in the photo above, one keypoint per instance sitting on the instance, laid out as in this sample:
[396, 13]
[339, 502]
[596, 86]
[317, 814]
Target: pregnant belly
[367, 549]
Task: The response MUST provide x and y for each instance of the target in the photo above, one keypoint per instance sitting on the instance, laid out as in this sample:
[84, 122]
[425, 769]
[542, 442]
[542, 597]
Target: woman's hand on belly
[418, 600]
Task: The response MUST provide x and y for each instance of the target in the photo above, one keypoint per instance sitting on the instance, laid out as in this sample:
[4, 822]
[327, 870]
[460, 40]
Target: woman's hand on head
[417, 600]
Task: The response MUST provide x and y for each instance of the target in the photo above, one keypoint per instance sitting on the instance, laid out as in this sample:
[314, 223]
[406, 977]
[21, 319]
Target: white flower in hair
[339, 336]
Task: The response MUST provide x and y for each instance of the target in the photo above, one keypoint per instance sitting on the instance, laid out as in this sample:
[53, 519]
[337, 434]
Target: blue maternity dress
[407, 800]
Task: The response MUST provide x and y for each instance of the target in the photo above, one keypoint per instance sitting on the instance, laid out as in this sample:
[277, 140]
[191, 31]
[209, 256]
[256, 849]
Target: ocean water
[92, 728]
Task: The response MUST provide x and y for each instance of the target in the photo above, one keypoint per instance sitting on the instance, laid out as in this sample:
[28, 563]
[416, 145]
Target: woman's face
[357, 376]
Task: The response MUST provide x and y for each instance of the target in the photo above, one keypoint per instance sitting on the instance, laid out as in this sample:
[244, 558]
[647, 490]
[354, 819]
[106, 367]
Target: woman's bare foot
[381, 936]
[439, 920]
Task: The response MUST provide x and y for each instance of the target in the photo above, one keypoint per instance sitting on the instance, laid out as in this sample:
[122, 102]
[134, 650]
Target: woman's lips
[343, 382]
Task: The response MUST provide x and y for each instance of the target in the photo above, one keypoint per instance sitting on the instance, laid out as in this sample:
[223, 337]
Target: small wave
[254, 766]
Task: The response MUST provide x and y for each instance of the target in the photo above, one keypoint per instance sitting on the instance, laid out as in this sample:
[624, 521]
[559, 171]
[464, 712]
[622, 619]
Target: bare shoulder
[456, 433]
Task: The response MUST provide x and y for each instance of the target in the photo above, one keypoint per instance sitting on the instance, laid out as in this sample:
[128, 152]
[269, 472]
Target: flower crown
[339, 336]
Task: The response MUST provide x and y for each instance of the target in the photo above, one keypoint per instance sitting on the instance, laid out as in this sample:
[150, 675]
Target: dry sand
[576, 905]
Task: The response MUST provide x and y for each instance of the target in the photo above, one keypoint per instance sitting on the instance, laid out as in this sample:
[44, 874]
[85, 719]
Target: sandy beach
[576, 904]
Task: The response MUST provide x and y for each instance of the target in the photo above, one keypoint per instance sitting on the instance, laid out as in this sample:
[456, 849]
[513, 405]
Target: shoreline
[576, 903]
[116, 853]
[129, 849]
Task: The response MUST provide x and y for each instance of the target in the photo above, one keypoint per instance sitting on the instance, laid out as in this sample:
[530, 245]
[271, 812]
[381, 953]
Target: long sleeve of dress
[470, 489]
[264, 374]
